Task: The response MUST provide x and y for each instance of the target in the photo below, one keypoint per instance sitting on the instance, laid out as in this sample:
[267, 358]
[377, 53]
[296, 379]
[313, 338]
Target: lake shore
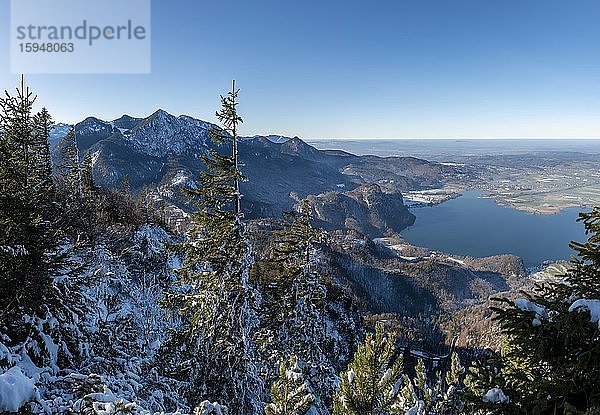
[475, 225]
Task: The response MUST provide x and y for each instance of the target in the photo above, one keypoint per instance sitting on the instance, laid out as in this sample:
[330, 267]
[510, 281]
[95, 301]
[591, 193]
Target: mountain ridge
[281, 170]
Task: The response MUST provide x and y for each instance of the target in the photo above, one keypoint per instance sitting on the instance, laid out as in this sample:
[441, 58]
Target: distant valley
[534, 175]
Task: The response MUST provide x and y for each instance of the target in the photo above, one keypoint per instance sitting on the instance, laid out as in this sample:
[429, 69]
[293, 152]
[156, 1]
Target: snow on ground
[453, 164]
[593, 306]
[277, 139]
[17, 250]
[207, 407]
[552, 272]
[495, 395]
[410, 258]
[16, 389]
[458, 261]
[180, 178]
[410, 199]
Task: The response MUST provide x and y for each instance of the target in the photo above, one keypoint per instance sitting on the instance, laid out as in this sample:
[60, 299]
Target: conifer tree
[301, 291]
[409, 395]
[295, 316]
[16, 127]
[451, 399]
[216, 296]
[71, 165]
[441, 394]
[290, 393]
[372, 383]
[87, 176]
[42, 163]
[456, 370]
[421, 382]
[29, 238]
[417, 396]
[210, 408]
[551, 360]
[296, 242]
[34, 306]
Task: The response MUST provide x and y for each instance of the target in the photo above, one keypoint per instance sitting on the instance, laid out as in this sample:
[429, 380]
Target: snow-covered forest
[105, 308]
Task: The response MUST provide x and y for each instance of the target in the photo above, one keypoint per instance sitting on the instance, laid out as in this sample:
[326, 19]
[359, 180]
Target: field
[541, 183]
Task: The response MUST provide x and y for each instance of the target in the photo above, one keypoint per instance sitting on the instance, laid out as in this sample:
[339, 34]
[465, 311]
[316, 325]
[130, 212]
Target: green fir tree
[28, 250]
[87, 175]
[71, 167]
[290, 393]
[373, 382]
[34, 303]
[451, 401]
[42, 162]
[300, 292]
[216, 297]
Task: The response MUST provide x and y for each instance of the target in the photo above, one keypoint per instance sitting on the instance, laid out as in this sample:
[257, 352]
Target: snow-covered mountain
[158, 151]
[162, 134]
[58, 132]
[159, 135]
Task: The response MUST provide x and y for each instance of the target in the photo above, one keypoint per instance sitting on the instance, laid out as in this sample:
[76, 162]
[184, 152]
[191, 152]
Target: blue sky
[357, 69]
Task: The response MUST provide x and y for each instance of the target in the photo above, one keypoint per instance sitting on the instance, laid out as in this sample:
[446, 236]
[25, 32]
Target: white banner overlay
[80, 36]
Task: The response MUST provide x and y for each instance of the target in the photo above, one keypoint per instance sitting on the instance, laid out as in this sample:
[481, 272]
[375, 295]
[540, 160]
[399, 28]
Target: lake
[476, 226]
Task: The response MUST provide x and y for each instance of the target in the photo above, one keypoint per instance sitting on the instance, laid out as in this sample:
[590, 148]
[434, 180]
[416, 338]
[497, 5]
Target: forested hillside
[106, 307]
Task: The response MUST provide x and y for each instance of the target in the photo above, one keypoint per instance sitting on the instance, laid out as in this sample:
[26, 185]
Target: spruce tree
[40, 299]
[88, 185]
[210, 408]
[216, 296]
[297, 315]
[290, 393]
[451, 401]
[421, 382]
[417, 396]
[28, 250]
[441, 394]
[551, 359]
[372, 384]
[16, 127]
[42, 164]
[71, 166]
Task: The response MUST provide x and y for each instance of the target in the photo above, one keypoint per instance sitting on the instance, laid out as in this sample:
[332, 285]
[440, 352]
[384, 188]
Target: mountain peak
[126, 122]
[125, 117]
[277, 139]
[92, 120]
[162, 134]
[296, 146]
[160, 113]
